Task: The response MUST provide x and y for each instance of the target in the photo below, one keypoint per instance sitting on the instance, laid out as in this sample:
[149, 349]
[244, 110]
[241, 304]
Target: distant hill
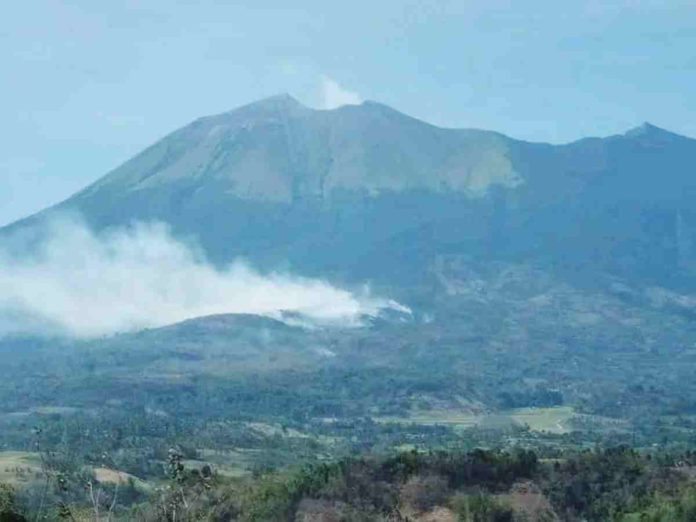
[365, 192]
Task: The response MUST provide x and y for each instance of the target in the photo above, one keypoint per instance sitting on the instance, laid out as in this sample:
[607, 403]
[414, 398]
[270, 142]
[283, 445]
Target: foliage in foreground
[617, 484]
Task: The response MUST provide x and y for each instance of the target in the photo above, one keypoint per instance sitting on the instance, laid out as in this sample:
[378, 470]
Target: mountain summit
[359, 189]
[277, 150]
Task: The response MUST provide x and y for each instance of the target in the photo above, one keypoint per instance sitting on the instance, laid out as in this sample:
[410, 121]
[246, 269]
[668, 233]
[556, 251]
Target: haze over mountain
[365, 192]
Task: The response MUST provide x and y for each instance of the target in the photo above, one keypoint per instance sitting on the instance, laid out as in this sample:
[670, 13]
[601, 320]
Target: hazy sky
[86, 84]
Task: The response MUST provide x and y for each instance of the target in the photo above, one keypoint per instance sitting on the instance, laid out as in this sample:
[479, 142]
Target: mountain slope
[365, 191]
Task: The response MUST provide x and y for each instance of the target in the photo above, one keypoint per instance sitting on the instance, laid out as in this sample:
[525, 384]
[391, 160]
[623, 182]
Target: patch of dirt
[438, 514]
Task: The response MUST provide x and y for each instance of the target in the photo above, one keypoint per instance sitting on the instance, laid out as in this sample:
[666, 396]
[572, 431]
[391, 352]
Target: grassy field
[553, 420]
[434, 417]
[271, 430]
[19, 468]
[112, 476]
[230, 463]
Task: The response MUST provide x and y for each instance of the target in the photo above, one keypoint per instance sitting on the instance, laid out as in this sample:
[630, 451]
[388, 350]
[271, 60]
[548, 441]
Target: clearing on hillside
[19, 468]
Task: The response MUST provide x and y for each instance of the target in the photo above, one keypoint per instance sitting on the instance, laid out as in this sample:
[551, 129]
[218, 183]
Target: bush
[481, 508]
[8, 508]
[424, 492]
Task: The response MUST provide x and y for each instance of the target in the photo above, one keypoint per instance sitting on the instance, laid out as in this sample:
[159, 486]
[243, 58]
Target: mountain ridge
[284, 99]
[346, 191]
[283, 102]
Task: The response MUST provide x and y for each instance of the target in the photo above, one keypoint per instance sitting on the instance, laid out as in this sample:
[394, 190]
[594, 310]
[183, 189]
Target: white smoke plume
[84, 284]
[333, 95]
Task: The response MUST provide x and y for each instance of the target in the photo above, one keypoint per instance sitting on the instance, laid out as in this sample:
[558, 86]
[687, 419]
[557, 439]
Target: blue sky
[85, 85]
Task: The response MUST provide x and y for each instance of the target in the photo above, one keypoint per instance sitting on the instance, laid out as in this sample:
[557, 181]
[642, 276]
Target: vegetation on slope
[617, 484]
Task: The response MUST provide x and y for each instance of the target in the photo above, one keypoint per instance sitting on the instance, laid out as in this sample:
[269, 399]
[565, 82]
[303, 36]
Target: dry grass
[19, 468]
[112, 476]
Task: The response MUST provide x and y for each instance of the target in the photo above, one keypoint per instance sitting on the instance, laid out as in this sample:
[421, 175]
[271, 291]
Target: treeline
[617, 484]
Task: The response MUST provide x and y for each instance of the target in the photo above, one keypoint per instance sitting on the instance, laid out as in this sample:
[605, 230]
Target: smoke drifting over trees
[86, 284]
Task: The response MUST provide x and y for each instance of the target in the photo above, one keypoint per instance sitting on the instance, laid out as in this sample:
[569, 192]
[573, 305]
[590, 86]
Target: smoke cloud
[85, 284]
[333, 95]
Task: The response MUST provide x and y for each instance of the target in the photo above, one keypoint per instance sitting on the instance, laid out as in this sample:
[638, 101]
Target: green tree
[9, 512]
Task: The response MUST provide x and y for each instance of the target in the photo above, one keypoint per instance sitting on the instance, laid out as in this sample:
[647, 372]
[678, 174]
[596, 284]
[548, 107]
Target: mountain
[551, 287]
[365, 192]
